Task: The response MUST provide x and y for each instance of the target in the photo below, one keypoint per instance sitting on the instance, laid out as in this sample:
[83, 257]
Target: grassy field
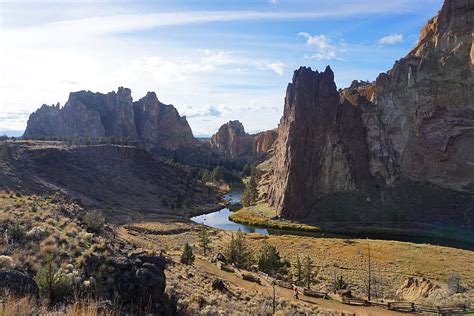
[263, 215]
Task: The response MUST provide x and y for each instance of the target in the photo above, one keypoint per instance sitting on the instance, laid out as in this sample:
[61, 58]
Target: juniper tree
[269, 260]
[308, 268]
[238, 252]
[204, 241]
[298, 268]
[187, 256]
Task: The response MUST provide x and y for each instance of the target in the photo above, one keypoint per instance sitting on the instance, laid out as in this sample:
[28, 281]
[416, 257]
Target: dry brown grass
[392, 260]
[23, 306]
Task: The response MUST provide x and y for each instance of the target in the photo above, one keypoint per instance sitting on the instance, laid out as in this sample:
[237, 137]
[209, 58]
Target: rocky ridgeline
[403, 144]
[232, 141]
[89, 114]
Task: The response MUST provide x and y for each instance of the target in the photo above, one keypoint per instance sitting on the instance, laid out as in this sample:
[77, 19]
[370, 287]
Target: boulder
[136, 281]
[18, 283]
[220, 257]
[218, 284]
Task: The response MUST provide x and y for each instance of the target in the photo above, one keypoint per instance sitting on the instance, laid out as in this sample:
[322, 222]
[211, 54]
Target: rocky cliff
[88, 114]
[320, 147]
[402, 144]
[232, 141]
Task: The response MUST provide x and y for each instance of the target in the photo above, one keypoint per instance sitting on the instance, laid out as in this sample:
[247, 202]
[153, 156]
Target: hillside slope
[103, 176]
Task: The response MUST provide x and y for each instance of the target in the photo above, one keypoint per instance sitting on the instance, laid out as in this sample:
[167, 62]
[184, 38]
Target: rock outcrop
[159, 123]
[320, 147]
[232, 141]
[403, 144]
[136, 281]
[17, 283]
[88, 114]
[414, 289]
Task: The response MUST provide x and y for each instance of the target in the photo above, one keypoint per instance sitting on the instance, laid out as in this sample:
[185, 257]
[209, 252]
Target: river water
[220, 219]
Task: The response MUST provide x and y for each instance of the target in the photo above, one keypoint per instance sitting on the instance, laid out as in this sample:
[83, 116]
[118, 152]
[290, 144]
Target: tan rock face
[426, 101]
[363, 147]
[88, 114]
[264, 141]
[232, 141]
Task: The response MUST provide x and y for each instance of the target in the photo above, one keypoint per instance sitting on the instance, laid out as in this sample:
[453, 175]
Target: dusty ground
[392, 261]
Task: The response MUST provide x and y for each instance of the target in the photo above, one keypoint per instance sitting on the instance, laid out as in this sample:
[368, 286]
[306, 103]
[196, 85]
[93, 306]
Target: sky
[214, 60]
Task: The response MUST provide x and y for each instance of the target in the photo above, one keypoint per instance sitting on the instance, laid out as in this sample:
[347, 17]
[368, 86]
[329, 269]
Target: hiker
[295, 292]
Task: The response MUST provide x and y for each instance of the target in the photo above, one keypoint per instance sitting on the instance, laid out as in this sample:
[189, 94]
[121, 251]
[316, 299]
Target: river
[220, 219]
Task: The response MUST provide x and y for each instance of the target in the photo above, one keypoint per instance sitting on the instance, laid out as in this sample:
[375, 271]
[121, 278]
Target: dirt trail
[266, 289]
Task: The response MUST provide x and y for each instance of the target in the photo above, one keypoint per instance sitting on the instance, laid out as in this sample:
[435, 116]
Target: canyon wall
[400, 147]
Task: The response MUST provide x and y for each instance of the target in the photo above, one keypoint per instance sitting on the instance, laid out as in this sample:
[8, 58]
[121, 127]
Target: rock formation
[88, 114]
[320, 147]
[404, 143]
[232, 141]
[159, 123]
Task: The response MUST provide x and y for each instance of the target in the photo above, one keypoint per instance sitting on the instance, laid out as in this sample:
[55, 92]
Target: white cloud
[391, 39]
[324, 49]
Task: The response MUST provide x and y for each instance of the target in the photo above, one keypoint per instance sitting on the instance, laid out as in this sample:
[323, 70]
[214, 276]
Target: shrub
[187, 257]
[53, 284]
[94, 221]
[16, 232]
[34, 206]
[37, 233]
[5, 152]
[6, 263]
[340, 284]
[454, 282]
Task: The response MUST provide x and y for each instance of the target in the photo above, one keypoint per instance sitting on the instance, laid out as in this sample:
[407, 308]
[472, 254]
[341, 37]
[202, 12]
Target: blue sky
[214, 60]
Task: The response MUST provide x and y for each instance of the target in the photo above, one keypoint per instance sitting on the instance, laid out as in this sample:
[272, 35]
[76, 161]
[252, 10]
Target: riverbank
[263, 216]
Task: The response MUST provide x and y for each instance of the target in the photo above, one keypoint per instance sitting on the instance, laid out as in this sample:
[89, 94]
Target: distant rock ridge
[232, 141]
[89, 114]
[403, 144]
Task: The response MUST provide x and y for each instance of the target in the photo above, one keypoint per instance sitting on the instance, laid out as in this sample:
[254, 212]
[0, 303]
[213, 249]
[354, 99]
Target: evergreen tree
[246, 170]
[298, 267]
[206, 176]
[249, 196]
[216, 174]
[187, 256]
[237, 251]
[308, 271]
[204, 241]
[179, 201]
[269, 260]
